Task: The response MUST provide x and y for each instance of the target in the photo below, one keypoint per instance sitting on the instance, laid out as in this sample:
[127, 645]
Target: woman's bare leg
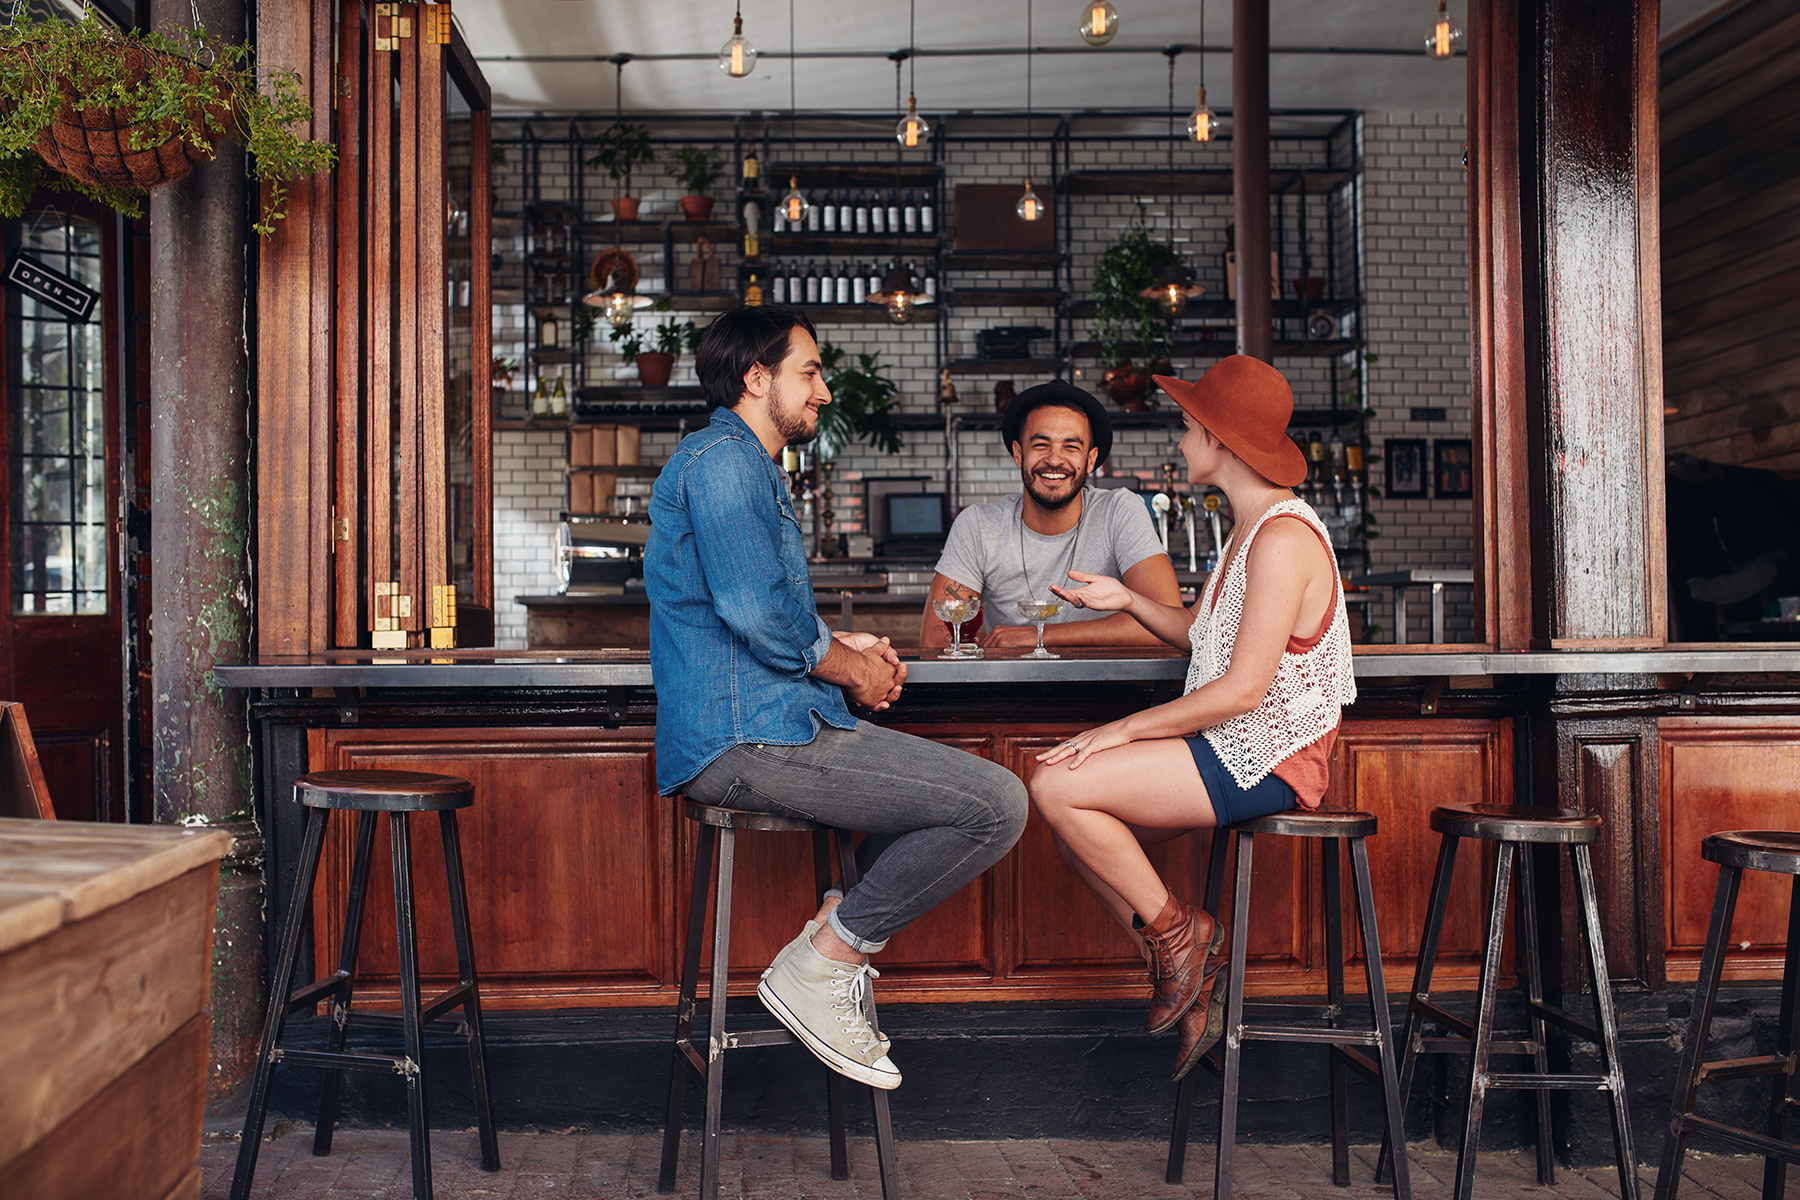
[1115, 904]
[1152, 786]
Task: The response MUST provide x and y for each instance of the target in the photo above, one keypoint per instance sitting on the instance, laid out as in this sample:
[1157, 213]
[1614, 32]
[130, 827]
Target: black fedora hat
[1064, 393]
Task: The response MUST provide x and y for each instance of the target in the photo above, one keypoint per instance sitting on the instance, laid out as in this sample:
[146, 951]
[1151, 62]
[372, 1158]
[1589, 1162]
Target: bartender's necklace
[1074, 545]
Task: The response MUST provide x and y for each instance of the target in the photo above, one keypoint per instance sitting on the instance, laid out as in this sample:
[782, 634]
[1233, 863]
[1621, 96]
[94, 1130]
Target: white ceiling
[1068, 77]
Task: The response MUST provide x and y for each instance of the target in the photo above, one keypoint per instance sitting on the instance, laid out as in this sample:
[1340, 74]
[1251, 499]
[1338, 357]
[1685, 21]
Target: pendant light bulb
[1173, 288]
[898, 295]
[794, 204]
[1099, 22]
[1202, 121]
[913, 129]
[1029, 208]
[737, 58]
[619, 308]
[1445, 34]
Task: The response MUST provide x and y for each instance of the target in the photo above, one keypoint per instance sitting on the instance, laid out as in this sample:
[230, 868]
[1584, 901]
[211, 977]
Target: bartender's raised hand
[1100, 593]
[1018, 637]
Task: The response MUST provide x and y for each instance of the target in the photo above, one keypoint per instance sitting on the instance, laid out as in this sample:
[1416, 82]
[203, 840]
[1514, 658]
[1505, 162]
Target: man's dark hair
[739, 339]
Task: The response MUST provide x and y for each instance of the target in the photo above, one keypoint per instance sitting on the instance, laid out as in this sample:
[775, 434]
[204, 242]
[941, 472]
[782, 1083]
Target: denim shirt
[734, 633]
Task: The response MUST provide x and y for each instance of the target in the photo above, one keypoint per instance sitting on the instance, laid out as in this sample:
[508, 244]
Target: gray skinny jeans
[936, 816]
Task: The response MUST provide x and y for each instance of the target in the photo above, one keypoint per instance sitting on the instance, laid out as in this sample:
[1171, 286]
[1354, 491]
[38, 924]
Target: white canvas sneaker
[821, 1002]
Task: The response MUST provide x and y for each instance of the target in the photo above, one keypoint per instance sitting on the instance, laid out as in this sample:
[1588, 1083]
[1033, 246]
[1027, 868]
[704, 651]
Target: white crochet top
[1309, 688]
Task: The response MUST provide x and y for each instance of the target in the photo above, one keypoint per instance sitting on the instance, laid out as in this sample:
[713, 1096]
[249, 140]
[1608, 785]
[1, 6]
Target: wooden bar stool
[1755, 850]
[370, 793]
[1331, 826]
[1516, 828]
[721, 826]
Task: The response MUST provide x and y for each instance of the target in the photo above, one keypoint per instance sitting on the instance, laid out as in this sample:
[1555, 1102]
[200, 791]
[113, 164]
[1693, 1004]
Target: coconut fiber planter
[94, 144]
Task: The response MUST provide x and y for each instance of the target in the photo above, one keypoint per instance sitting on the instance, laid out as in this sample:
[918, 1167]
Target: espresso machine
[600, 556]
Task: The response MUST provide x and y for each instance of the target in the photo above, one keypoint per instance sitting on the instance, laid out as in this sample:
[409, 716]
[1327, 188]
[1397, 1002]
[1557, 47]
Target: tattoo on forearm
[957, 591]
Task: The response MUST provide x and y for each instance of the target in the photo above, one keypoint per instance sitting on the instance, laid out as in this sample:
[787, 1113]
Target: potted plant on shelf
[111, 114]
[863, 403]
[698, 168]
[670, 338]
[1124, 270]
[620, 147]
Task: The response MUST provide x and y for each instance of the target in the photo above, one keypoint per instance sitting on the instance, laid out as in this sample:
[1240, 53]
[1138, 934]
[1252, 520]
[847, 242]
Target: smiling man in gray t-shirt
[1013, 549]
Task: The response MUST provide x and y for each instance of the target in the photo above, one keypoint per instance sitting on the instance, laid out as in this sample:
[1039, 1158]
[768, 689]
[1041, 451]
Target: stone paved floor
[369, 1163]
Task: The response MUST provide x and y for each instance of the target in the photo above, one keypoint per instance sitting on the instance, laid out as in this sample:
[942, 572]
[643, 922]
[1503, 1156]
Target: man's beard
[792, 426]
[1078, 480]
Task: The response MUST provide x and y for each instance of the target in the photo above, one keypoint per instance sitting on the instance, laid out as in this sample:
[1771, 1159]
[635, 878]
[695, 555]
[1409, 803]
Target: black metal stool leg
[1484, 1025]
[1234, 1017]
[1781, 1122]
[276, 1019]
[418, 1122]
[1334, 1000]
[1531, 966]
[465, 966]
[1392, 1096]
[1608, 1022]
[1693, 1050]
[684, 1011]
[884, 1124]
[718, 990]
[834, 1083]
[340, 1005]
[1413, 1040]
[1184, 1092]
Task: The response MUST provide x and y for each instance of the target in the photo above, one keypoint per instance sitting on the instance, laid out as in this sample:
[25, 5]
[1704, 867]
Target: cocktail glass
[956, 610]
[1037, 612]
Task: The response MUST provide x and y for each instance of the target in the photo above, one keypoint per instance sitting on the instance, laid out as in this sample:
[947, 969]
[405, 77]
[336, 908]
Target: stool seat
[1314, 823]
[1776, 850]
[384, 791]
[720, 817]
[1516, 823]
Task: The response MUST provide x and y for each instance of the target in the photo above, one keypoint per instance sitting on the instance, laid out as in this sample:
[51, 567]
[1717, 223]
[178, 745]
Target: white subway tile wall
[1415, 267]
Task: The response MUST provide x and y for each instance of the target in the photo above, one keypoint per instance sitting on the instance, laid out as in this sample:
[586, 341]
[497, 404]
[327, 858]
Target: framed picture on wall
[1453, 468]
[1405, 467]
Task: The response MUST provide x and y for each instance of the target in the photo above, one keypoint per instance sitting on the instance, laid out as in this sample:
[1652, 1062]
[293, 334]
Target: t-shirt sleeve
[1133, 536]
[962, 559]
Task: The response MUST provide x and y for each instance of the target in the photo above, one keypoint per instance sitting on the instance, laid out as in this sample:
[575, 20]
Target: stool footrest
[1565, 1019]
[1440, 1015]
[1316, 1037]
[456, 997]
[319, 989]
[1746, 1068]
[1561, 1083]
[1756, 1143]
[343, 1061]
[1455, 1045]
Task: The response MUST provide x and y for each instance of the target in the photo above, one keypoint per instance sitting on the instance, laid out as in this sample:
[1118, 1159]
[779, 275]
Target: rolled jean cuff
[858, 944]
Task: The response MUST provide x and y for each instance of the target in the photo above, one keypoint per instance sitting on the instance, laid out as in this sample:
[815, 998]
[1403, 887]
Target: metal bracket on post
[398, 27]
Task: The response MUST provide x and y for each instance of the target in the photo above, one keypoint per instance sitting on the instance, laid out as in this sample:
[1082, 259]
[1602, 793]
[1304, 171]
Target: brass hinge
[443, 617]
[340, 526]
[437, 23]
[398, 27]
[391, 608]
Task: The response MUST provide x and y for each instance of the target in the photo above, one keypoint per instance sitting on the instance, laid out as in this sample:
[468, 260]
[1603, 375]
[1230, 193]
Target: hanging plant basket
[97, 144]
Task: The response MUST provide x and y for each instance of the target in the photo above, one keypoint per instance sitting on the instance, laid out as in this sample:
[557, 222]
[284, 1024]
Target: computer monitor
[916, 521]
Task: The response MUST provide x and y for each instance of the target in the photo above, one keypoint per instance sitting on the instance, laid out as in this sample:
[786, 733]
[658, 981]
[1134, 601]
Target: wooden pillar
[1250, 175]
[200, 543]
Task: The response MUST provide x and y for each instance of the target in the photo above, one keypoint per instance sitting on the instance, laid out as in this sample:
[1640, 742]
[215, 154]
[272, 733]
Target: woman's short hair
[739, 339]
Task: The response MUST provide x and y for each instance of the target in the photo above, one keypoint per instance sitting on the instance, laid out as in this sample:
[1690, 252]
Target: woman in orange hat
[1253, 732]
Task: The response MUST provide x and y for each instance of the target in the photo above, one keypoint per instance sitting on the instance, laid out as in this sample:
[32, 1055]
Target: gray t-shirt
[990, 549]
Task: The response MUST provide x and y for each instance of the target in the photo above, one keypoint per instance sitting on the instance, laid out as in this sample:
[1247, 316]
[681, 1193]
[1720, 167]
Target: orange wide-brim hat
[1247, 404]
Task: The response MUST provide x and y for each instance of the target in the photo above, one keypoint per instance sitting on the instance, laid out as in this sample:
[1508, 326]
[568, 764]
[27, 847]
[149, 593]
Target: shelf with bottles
[837, 288]
[896, 213]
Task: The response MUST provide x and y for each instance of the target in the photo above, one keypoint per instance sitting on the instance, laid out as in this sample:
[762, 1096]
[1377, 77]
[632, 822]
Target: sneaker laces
[849, 990]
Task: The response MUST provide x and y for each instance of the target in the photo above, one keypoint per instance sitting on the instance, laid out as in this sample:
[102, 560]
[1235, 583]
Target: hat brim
[1277, 460]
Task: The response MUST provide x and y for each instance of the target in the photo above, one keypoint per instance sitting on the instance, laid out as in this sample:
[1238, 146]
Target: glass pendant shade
[794, 204]
[913, 129]
[1099, 22]
[1029, 208]
[1173, 288]
[1445, 35]
[898, 296]
[737, 58]
[1202, 121]
[617, 304]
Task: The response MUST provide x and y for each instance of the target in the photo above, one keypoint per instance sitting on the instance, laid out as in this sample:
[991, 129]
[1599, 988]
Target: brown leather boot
[1177, 959]
[1201, 1025]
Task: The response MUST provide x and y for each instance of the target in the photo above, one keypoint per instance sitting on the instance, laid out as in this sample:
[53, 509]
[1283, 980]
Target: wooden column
[1250, 175]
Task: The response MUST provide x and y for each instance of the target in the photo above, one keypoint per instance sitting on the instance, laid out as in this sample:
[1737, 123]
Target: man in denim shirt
[751, 688]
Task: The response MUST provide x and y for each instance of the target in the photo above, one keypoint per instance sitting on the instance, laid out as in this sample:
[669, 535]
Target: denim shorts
[1230, 802]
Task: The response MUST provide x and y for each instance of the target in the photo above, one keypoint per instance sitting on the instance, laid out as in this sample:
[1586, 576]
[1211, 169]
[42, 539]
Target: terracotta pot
[1128, 385]
[94, 144]
[654, 368]
[625, 208]
[697, 208]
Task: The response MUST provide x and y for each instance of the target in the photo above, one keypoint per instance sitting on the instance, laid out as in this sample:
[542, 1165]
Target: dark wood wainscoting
[1726, 773]
[581, 875]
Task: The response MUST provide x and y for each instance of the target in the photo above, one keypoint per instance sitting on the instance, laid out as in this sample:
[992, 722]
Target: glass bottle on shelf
[877, 216]
[893, 213]
[862, 212]
[846, 214]
[780, 223]
[796, 289]
[779, 288]
[927, 221]
[548, 329]
[910, 214]
[874, 277]
[753, 294]
[752, 170]
[842, 281]
[813, 216]
[559, 398]
[931, 282]
[828, 218]
[540, 397]
[812, 283]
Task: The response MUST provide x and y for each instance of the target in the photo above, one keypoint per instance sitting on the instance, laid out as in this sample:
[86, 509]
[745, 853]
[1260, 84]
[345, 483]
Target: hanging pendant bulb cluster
[1099, 22]
[1445, 34]
[737, 58]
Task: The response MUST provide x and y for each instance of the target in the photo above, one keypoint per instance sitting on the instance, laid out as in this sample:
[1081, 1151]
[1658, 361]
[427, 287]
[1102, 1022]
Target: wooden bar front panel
[1719, 774]
[580, 874]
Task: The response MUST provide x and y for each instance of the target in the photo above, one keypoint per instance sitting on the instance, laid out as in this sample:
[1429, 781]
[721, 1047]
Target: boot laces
[849, 989]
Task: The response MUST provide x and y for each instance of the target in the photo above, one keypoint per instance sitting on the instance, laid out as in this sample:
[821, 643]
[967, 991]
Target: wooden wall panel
[1731, 228]
[1719, 774]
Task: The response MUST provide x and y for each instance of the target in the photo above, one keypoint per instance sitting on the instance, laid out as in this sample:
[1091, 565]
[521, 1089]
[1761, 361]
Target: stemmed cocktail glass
[1038, 612]
[955, 610]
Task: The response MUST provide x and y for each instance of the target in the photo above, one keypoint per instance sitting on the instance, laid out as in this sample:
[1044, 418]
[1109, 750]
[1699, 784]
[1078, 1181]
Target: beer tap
[1159, 504]
[1211, 504]
[1187, 521]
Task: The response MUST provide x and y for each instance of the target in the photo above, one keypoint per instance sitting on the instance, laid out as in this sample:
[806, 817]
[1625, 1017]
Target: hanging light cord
[1202, 45]
[912, 41]
[793, 71]
[1169, 208]
[1028, 58]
